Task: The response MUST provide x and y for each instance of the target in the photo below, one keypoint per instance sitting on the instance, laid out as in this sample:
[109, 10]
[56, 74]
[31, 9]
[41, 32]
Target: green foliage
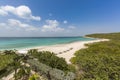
[71, 68]
[50, 73]
[23, 73]
[6, 59]
[50, 59]
[49, 64]
[114, 36]
[17, 63]
[34, 77]
[100, 61]
[10, 62]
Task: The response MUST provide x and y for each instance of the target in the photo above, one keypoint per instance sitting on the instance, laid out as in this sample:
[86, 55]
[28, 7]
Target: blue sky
[58, 17]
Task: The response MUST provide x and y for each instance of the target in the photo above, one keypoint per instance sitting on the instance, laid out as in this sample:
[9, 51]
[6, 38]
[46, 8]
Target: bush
[100, 61]
[50, 59]
[54, 74]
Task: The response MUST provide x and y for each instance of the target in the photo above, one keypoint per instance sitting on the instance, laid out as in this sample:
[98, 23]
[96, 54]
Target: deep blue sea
[28, 42]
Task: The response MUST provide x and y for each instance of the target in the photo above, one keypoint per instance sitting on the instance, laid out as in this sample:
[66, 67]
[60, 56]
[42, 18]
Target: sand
[64, 50]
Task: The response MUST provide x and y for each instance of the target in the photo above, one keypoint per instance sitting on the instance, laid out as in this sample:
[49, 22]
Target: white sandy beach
[65, 50]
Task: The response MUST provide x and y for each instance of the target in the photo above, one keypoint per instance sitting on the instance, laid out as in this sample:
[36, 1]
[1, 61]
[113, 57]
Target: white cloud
[2, 24]
[52, 26]
[65, 22]
[20, 11]
[3, 13]
[13, 27]
[16, 24]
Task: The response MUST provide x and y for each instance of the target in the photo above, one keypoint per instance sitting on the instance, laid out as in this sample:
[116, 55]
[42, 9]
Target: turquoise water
[28, 42]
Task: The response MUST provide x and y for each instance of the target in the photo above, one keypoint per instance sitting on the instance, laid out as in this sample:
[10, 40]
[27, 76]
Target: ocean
[10, 43]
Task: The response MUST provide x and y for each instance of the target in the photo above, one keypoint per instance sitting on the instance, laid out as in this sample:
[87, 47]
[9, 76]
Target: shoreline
[58, 44]
[63, 50]
[38, 46]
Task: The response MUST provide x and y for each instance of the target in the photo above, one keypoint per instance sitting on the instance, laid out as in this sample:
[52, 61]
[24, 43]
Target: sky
[51, 18]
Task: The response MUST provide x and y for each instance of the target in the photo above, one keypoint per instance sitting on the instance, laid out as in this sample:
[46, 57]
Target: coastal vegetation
[51, 60]
[6, 61]
[35, 65]
[112, 36]
[100, 61]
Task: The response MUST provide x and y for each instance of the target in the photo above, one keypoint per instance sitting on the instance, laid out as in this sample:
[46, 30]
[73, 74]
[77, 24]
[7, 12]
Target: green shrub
[50, 59]
[100, 61]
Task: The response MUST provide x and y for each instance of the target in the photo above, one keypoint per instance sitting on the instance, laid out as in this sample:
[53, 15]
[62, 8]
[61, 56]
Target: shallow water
[28, 42]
